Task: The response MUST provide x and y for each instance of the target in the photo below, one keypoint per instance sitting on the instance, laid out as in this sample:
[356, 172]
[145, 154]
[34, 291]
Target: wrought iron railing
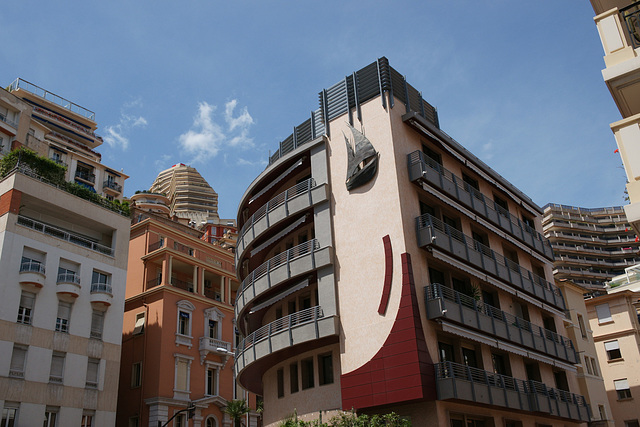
[428, 220]
[631, 17]
[36, 90]
[5, 119]
[112, 185]
[285, 196]
[64, 235]
[286, 323]
[281, 259]
[86, 176]
[436, 291]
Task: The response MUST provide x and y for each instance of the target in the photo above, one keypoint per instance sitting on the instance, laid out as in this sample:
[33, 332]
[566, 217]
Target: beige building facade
[384, 267]
[63, 261]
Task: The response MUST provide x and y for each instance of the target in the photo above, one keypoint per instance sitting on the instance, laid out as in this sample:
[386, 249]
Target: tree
[236, 409]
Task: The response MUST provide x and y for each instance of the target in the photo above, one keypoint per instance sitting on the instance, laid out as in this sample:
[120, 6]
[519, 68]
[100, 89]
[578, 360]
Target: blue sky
[217, 85]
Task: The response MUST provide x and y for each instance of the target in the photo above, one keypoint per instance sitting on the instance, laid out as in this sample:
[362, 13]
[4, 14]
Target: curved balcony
[32, 273]
[68, 284]
[290, 202]
[445, 303]
[101, 293]
[456, 381]
[434, 233]
[258, 351]
[297, 261]
[423, 169]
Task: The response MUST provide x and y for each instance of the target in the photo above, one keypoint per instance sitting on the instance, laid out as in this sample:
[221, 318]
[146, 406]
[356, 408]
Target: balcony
[297, 261]
[426, 171]
[432, 232]
[68, 284]
[456, 381]
[445, 303]
[101, 293]
[85, 176]
[11, 123]
[112, 186]
[58, 162]
[32, 272]
[304, 327]
[619, 32]
[58, 233]
[215, 346]
[290, 202]
[182, 284]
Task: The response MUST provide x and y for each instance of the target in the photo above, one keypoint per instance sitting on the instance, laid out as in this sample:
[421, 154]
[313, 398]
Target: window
[184, 323]
[182, 377]
[469, 357]
[587, 364]
[64, 314]
[293, 377]
[9, 415]
[97, 323]
[213, 323]
[561, 380]
[470, 182]
[32, 260]
[18, 359]
[622, 388]
[136, 374]
[501, 205]
[139, 326]
[50, 416]
[100, 281]
[604, 314]
[583, 330]
[613, 350]
[25, 309]
[87, 419]
[57, 367]
[603, 413]
[446, 352]
[134, 422]
[594, 365]
[306, 366]
[211, 422]
[180, 421]
[325, 369]
[280, 380]
[631, 423]
[93, 366]
[433, 155]
[211, 386]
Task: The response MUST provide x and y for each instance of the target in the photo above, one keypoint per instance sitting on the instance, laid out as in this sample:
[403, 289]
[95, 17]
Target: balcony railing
[182, 284]
[155, 246]
[280, 199]
[214, 345]
[86, 176]
[281, 259]
[64, 120]
[631, 17]
[29, 87]
[443, 302]
[112, 185]
[64, 235]
[102, 288]
[11, 123]
[456, 381]
[424, 168]
[32, 266]
[68, 278]
[183, 248]
[433, 232]
[286, 323]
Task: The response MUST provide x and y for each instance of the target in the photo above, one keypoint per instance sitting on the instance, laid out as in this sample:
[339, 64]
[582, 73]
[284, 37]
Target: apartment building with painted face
[63, 260]
[591, 245]
[614, 320]
[178, 332]
[384, 267]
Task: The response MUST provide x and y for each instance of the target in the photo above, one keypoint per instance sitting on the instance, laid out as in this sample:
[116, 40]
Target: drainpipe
[144, 352]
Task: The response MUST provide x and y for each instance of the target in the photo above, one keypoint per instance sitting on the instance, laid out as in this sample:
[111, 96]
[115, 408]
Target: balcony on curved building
[101, 293]
[285, 337]
[32, 272]
[427, 172]
[297, 261]
[465, 383]
[445, 304]
[293, 200]
[433, 233]
[68, 284]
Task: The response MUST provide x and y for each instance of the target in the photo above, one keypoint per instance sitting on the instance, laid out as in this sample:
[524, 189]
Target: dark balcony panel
[456, 381]
[431, 232]
[427, 171]
[445, 303]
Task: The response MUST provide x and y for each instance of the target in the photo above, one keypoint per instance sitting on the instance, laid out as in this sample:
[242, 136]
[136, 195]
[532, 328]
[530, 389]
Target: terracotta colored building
[384, 267]
[178, 333]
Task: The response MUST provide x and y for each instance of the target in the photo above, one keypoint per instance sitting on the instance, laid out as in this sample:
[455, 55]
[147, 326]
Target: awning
[278, 179]
[113, 172]
[90, 187]
[278, 297]
[278, 236]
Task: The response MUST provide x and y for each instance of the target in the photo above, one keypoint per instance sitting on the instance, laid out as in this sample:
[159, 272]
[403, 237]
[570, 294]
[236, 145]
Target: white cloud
[117, 136]
[206, 137]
